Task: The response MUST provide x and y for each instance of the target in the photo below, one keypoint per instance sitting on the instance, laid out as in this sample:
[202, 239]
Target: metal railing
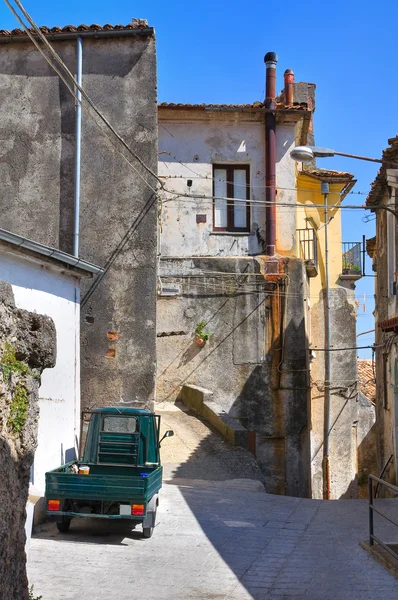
[352, 258]
[308, 246]
[373, 509]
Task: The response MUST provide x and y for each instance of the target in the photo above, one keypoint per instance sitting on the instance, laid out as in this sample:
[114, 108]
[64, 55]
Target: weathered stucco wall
[27, 346]
[255, 359]
[233, 139]
[42, 289]
[118, 212]
[344, 411]
[386, 350]
[366, 443]
[348, 417]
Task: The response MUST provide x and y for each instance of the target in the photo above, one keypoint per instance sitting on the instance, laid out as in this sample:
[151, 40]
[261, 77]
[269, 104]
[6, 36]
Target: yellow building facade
[340, 478]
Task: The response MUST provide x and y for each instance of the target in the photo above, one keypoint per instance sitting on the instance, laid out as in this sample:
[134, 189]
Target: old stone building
[117, 208]
[261, 301]
[383, 250]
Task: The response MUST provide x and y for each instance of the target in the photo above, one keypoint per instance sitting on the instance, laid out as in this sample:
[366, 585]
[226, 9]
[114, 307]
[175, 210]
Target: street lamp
[308, 153]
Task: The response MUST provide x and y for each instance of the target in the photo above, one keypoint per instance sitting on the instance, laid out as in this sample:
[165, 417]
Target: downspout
[270, 60]
[78, 141]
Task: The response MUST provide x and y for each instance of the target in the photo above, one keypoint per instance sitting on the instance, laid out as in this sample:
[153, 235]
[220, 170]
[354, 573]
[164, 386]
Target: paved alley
[215, 543]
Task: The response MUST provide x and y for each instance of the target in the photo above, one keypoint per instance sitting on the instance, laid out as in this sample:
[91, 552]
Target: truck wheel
[63, 526]
[147, 532]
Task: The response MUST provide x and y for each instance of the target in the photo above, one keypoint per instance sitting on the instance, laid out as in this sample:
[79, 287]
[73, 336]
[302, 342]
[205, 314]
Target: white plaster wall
[199, 146]
[286, 191]
[48, 291]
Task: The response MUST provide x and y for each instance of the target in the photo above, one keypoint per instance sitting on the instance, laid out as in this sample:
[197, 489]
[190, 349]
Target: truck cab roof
[112, 410]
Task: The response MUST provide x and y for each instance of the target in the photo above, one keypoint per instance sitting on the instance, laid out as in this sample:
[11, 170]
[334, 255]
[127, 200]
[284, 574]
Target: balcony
[352, 261]
[308, 250]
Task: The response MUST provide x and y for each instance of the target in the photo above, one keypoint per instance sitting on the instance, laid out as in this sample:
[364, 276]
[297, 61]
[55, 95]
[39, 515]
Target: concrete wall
[48, 291]
[255, 361]
[346, 415]
[386, 351]
[219, 139]
[118, 212]
[366, 435]
[255, 367]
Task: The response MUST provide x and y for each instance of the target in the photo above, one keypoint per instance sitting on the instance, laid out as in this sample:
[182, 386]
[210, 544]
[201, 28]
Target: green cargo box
[116, 484]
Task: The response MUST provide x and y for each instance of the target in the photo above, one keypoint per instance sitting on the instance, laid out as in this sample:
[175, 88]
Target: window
[231, 181]
[119, 424]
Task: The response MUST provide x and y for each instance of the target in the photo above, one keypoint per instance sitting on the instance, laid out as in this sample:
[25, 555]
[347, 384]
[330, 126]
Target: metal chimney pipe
[270, 60]
[289, 86]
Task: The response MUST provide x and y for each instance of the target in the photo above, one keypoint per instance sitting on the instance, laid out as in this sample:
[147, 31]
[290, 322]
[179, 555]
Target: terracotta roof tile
[366, 379]
[378, 186]
[253, 106]
[135, 24]
[327, 174]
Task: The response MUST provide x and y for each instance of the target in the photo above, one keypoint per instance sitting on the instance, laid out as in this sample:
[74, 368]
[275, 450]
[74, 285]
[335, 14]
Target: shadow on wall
[256, 365]
[367, 465]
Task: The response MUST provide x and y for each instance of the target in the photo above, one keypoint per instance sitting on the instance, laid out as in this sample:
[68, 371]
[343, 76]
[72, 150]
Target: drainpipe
[78, 141]
[270, 60]
[325, 462]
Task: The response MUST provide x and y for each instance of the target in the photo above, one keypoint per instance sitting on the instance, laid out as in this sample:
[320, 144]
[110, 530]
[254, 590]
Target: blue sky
[213, 52]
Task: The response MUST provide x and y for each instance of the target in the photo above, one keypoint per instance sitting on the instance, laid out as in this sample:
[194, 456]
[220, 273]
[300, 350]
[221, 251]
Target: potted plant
[201, 336]
[351, 269]
[346, 268]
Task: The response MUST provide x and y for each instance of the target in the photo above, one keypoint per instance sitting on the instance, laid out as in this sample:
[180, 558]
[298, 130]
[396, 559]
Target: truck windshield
[119, 424]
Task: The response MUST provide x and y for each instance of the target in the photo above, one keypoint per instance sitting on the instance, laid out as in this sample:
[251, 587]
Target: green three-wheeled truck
[119, 476]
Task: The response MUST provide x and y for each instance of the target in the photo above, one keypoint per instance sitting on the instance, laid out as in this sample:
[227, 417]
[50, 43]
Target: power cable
[249, 185]
[78, 100]
[103, 118]
[58, 59]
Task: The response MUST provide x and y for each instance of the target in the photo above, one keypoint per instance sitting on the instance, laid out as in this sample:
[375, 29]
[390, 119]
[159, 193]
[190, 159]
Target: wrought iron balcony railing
[308, 250]
[352, 260]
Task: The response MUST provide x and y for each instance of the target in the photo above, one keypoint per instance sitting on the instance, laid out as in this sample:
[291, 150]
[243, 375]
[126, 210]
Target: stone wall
[386, 349]
[255, 359]
[344, 412]
[27, 346]
[118, 211]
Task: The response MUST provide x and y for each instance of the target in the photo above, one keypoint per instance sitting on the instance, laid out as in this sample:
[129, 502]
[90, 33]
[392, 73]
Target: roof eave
[72, 35]
[283, 115]
[21, 244]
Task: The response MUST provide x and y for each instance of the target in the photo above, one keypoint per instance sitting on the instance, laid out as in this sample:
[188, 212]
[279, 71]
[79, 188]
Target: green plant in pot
[201, 336]
[350, 268]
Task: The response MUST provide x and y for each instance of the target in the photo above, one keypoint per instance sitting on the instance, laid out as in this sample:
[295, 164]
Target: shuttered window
[232, 182]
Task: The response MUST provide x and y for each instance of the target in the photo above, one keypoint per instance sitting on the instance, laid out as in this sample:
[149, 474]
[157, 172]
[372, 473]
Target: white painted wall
[46, 290]
[199, 145]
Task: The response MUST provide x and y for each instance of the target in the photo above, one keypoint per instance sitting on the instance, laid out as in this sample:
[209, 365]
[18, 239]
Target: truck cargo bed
[108, 483]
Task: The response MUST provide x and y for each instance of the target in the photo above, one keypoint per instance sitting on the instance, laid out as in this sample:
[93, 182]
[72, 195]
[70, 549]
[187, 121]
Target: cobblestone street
[215, 543]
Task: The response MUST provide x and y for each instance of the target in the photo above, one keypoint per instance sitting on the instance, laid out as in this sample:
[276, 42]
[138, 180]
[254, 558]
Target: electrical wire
[189, 199]
[276, 203]
[257, 287]
[77, 99]
[122, 141]
[119, 137]
[76, 84]
[250, 185]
